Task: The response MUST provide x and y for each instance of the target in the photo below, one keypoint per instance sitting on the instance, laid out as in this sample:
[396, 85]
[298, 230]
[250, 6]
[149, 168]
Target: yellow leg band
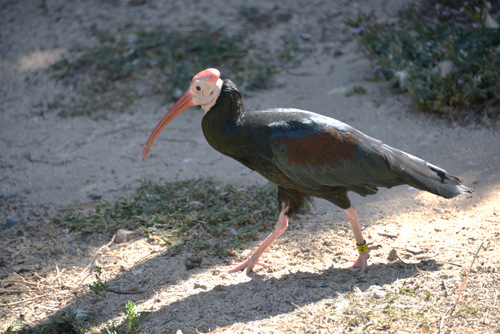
[362, 248]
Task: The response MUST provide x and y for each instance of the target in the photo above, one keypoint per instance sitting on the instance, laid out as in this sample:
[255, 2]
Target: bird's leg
[364, 255]
[253, 259]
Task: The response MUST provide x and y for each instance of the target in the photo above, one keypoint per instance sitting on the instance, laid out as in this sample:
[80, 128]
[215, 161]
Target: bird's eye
[198, 88]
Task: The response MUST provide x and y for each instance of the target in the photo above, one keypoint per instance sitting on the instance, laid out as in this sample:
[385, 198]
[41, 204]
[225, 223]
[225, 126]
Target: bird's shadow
[259, 298]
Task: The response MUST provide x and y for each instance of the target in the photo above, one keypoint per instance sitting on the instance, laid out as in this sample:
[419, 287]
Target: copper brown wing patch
[317, 147]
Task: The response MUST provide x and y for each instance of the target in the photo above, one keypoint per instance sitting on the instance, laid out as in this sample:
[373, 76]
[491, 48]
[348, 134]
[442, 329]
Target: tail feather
[425, 176]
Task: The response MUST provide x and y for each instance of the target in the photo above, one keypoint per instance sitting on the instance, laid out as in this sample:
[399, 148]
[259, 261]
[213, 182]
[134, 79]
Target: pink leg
[249, 263]
[362, 261]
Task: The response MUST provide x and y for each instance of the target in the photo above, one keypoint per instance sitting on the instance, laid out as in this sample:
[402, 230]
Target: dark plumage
[305, 154]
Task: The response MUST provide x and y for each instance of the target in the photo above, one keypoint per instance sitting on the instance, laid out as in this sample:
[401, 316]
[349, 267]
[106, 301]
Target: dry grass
[452, 287]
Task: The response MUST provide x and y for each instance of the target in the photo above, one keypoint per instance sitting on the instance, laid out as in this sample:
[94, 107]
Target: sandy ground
[48, 163]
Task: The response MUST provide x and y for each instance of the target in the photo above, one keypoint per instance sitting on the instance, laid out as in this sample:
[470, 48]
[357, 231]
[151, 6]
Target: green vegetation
[193, 214]
[169, 58]
[355, 90]
[445, 57]
[99, 285]
[65, 322]
[68, 321]
[132, 323]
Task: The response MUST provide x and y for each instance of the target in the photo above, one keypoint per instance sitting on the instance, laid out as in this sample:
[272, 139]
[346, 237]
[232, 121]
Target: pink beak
[185, 102]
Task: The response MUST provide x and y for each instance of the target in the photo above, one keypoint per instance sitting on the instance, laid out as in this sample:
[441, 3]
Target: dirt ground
[48, 163]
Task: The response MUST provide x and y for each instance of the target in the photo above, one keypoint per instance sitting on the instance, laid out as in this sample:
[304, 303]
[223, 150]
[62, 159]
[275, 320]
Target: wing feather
[317, 151]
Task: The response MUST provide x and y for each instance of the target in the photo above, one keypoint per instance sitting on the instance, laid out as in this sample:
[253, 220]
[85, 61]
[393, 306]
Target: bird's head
[203, 91]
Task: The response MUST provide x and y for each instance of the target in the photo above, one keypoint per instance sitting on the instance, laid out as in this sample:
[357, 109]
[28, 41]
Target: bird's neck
[220, 122]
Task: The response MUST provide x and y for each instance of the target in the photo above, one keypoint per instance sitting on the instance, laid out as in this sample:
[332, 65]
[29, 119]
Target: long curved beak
[185, 102]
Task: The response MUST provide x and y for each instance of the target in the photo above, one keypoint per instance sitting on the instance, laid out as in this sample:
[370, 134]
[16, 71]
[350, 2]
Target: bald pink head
[204, 90]
[210, 76]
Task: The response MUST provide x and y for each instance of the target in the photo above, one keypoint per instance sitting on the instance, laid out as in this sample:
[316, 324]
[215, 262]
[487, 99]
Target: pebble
[45, 206]
[392, 235]
[81, 314]
[71, 251]
[200, 286]
[355, 289]
[123, 235]
[193, 262]
[378, 293]
[11, 221]
[414, 250]
[203, 253]
[393, 255]
[95, 195]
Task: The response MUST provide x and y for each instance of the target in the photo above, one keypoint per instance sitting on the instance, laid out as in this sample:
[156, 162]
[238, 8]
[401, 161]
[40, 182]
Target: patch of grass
[99, 285]
[444, 57]
[133, 318]
[68, 321]
[98, 99]
[172, 57]
[470, 310]
[355, 90]
[64, 322]
[132, 323]
[193, 214]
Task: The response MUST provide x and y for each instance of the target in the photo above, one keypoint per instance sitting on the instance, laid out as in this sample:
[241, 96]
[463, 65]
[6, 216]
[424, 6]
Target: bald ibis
[305, 154]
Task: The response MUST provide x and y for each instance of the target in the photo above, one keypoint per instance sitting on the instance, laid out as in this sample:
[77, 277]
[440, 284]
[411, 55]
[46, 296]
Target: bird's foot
[362, 260]
[246, 265]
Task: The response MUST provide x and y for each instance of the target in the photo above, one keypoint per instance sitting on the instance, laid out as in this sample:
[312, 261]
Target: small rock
[393, 255]
[71, 251]
[193, 262]
[199, 286]
[11, 221]
[392, 235]
[402, 78]
[82, 314]
[355, 289]
[203, 253]
[123, 235]
[445, 67]
[378, 293]
[137, 271]
[95, 195]
[45, 206]
[490, 22]
[414, 250]
[315, 297]
[246, 253]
